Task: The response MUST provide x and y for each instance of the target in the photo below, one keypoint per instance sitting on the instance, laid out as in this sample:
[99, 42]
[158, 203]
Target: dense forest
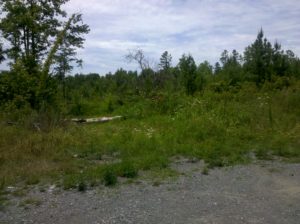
[248, 102]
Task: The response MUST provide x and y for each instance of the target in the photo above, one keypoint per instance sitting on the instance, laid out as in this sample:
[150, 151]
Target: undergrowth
[222, 129]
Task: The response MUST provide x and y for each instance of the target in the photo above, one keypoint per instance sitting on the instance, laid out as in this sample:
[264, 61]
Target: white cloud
[203, 28]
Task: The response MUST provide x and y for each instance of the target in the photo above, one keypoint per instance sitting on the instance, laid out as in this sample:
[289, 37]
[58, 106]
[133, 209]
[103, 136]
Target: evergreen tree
[188, 70]
[224, 57]
[217, 68]
[231, 71]
[204, 74]
[293, 64]
[165, 61]
[258, 59]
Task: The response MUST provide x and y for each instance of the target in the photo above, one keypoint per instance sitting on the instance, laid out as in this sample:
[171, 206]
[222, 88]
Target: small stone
[51, 188]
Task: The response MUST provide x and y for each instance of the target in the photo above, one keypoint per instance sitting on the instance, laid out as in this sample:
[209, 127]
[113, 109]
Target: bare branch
[137, 55]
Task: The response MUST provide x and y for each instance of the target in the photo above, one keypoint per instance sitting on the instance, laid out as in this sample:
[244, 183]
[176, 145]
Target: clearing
[263, 192]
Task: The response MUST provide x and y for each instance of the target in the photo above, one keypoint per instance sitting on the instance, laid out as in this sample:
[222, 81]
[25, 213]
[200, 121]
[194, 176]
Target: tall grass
[221, 128]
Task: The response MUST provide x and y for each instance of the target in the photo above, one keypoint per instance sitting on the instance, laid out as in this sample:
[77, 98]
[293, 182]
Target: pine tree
[204, 73]
[188, 69]
[165, 61]
[258, 59]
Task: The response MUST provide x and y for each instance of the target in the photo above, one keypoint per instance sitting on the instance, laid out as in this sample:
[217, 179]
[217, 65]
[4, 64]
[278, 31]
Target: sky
[203, 28]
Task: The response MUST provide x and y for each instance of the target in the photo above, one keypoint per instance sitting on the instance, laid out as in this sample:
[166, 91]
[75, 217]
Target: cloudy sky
[203, 28]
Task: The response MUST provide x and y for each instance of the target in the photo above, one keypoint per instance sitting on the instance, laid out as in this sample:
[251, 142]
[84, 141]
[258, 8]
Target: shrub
[110, 178]
[82, 186]
[128, 170]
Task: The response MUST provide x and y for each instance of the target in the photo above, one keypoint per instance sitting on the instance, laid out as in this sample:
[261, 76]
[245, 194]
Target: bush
[128, 170]
[82, 186]
[167, 103]
[109, 177]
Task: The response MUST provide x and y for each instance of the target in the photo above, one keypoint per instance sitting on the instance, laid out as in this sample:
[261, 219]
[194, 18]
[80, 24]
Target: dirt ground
[264, 192]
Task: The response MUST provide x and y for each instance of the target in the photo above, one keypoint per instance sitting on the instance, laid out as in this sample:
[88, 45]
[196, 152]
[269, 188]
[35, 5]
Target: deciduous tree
[40, 37]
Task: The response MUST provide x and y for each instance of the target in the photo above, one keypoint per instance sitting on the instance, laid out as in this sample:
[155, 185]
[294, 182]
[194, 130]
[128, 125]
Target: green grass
[220, 128]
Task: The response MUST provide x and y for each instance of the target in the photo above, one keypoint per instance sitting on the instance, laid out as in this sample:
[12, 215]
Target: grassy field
[222, 129]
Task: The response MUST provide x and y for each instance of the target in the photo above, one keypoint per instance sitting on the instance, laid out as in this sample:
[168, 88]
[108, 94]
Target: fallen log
[95, 120]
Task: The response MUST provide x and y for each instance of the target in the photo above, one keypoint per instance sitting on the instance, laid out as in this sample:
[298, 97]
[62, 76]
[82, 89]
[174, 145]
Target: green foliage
[18, 87]
[127, 169]
[22, 26]
[82, 186]
[221, 128]
[165, 61]
[262, 60]
[25, 21]
[232, 71]
[204, 74]
[188, 70]
[223, 117]
[146, 82]
[109, 177]
[258, 58]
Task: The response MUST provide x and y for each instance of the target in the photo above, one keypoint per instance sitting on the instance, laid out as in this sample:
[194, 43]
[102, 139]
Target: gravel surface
[267, 192]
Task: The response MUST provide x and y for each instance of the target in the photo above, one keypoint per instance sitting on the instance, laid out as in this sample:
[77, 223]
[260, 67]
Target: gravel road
[265, 192]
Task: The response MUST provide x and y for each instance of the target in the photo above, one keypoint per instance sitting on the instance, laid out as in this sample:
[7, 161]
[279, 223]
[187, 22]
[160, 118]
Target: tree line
[39, 42]
[261, 62]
